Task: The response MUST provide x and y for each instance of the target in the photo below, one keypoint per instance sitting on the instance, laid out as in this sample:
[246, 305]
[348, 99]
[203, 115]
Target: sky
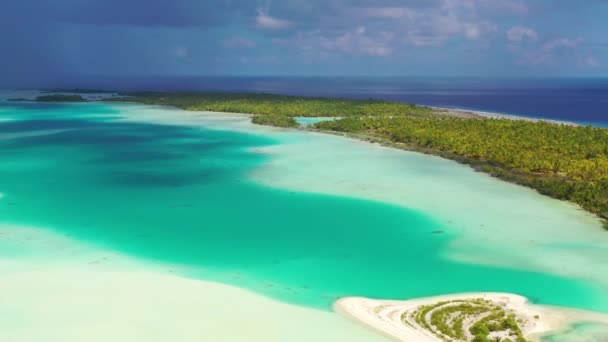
[45, 40]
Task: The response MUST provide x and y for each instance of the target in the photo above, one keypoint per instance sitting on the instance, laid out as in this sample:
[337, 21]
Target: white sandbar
[385, 316]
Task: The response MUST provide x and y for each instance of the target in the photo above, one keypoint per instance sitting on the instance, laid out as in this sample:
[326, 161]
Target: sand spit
[397, 319]
[75, 304]
[465, 113]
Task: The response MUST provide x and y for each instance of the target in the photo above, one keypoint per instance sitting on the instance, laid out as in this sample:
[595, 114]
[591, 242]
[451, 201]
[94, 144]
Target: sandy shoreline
[385, 316]
[466, 113]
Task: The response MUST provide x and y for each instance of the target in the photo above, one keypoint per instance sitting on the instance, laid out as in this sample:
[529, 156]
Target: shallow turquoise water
[584, 332]
[180, 196]
[306, 121]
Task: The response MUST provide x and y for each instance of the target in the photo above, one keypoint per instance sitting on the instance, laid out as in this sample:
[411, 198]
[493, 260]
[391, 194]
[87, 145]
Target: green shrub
[275, 120]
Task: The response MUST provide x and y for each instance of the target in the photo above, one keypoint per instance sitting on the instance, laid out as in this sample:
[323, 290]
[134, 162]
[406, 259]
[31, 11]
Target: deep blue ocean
[583, 100]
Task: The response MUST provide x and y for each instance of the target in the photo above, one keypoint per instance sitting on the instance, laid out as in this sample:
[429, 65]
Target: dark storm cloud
[188, 13]
[176, 13]
[25, 35]
[33, 32]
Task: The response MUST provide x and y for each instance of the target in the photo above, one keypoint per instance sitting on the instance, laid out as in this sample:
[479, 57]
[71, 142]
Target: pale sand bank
[53, 288]
[75, 304]
[387, 316]
[466, 113]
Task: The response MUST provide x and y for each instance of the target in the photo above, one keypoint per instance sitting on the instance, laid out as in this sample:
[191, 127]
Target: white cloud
[514, 6]
[359, 42]
[588, 61]
[471, 31]
[521, 34]
[476, 30]
[381, 28]
[432, 29]
[561, 43]
[449, 19]
[385, 12]
[239, 42]
[416, 39]
[563, 48]
[265, 21]
[182, 52]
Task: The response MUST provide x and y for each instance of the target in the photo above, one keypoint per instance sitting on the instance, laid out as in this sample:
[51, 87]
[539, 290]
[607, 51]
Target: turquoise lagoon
[307, 121]
[583, 332]
[182, 195]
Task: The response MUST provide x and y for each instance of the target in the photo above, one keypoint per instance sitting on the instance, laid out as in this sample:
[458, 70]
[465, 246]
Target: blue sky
[49, 39]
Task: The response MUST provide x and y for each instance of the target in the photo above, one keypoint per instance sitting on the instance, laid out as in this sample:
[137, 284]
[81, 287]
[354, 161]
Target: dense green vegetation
[275, 120]
[420, 315]
[60, 98]
[561, 161]
[440, 319]
[497, 321]
[80, 91]
[280, 105]
[446, 319]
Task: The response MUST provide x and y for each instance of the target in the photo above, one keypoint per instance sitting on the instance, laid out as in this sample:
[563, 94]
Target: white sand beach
[387, 316]
[467, 113]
